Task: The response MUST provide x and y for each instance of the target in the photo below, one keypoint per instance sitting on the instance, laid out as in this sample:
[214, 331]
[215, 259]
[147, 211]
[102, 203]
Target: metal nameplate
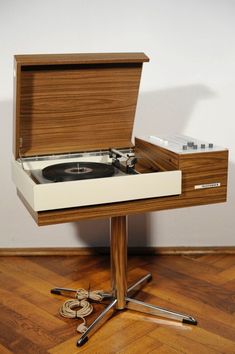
[207, 185]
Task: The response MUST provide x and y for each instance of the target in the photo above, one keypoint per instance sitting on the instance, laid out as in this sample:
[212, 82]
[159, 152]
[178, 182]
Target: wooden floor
[203, 286]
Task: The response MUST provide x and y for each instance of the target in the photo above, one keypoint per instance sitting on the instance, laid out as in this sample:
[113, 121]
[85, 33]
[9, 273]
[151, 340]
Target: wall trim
[88, 251]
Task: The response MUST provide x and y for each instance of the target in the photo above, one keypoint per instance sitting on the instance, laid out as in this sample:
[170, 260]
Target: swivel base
[121, 297]
[131, 304]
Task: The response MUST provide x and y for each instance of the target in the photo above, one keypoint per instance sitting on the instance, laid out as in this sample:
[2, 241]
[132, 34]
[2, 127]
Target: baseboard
[88, 251]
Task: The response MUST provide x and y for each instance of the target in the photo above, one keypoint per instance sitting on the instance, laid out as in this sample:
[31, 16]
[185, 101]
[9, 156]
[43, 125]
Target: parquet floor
[203, 286]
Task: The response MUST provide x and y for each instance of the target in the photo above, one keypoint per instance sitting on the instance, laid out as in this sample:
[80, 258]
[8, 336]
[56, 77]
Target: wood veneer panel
[157, 159]
[204, 168]
[75, 102]
[88, 251]
[204, 162]
[196, 169]
[70, 103]
[126, 208]
[189, 197]
[81, 58]
[77, 109]
[16, 110]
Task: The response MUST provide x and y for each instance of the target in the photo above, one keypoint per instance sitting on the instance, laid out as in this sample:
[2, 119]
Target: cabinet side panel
[212, 168]
[204, 174]
[16, 110]
[23, 182]
[154, 157]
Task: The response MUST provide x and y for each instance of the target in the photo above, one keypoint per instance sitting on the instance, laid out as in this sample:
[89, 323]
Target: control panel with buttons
[204, 165]
[182, 144]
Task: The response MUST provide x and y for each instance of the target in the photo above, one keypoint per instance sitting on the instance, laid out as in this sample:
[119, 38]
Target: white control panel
[182, 144]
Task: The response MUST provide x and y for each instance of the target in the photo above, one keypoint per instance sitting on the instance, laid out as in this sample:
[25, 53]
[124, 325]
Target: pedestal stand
[121, 296]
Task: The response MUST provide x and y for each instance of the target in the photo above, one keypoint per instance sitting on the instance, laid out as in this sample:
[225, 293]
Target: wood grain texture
[16, 110]
[77, 110]
[75, 103]
[125, 208]
[80, 58]
[89, 251]
[201, 285]
[196, 169]
[118, 250]
[155, 157]
[71, 103]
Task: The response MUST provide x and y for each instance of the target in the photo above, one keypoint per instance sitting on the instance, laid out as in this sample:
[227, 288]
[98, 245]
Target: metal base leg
[131, 290]
[140, 306]
[138, 285]
[97, 323]
[120, 297]
[131, 304]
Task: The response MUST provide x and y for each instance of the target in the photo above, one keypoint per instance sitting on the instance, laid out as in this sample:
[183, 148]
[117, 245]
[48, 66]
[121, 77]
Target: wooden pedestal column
[118, 246]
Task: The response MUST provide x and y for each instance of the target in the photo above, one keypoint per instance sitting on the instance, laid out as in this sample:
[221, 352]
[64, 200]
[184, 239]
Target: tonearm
[124, 162]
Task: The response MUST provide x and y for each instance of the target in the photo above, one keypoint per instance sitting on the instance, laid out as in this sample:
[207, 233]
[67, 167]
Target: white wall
[188, 87]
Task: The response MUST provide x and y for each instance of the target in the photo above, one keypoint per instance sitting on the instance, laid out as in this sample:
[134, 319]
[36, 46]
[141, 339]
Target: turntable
[76, 109]
[72, 171]
[74, 158]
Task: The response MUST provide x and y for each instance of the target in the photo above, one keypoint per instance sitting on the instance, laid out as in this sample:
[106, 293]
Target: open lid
[75, 102]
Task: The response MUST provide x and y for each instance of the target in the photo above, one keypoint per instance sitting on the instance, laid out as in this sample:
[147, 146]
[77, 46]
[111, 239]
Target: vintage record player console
[74, 158]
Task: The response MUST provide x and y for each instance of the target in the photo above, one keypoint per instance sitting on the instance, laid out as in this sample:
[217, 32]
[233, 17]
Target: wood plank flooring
[200, 285]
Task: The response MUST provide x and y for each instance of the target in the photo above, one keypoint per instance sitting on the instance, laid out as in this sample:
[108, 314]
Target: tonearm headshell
[124, 162]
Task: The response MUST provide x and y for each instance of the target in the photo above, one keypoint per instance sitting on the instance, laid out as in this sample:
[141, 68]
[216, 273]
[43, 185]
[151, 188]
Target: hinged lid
[75, 102]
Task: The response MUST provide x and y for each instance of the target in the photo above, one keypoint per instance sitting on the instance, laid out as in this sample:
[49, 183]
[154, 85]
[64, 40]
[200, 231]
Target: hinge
[20, 155]
[20, 142]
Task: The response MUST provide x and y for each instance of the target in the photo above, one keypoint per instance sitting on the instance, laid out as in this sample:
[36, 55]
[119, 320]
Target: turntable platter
[72, 171]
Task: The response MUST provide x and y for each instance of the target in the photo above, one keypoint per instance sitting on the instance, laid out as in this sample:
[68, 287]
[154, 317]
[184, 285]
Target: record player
[80, 108]
[76, 111]
[74, 158]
